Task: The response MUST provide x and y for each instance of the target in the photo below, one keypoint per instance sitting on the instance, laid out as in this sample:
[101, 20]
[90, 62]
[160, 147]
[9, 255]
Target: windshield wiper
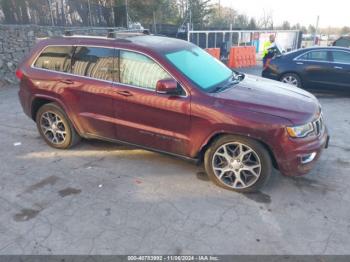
[217, 89]
[233, 80]
[236, 76]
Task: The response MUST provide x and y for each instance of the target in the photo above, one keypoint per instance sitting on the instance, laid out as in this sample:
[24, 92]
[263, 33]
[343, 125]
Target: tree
[266, 20]
[286, 25]
[241, 21]
[252, 24]
[200, 11]
[146, 11]
[311, 29]
[81, 9]
[8, 11]
[303, 29]
[222, 17]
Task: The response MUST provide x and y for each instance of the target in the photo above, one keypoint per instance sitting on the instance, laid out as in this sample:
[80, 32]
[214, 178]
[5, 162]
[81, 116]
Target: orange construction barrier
[242, 56]
[215, 52]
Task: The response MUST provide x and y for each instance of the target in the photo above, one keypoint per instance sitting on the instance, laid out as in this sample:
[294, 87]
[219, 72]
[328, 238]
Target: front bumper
[300, 156]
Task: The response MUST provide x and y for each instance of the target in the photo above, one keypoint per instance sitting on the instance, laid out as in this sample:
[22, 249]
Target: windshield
[200, 67]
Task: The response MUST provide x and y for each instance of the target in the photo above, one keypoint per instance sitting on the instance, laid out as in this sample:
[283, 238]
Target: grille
[318, 125]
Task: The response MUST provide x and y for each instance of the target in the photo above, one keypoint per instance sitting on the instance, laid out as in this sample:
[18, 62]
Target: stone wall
[17, 40]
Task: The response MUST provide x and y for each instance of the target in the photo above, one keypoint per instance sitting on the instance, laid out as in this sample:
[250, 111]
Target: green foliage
[200, 11]
[146, 11]
[222, 17]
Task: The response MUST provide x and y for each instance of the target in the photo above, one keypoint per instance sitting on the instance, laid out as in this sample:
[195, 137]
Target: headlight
[300, 131]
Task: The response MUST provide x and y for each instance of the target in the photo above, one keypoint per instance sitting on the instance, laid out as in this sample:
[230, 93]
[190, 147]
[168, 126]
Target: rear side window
[95, 62]
[56, 58]
[341, 57]
[139, 70]
[321, 55]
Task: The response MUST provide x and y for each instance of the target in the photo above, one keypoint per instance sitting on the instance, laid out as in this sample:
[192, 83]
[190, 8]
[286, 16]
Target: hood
[271, 97]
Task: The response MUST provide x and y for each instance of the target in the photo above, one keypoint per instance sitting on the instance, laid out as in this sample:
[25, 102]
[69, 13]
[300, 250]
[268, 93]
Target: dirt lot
[100, 198]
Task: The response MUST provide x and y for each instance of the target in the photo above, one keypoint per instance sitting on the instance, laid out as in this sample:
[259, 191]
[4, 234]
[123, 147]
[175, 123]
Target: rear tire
[238, 163]
[291, 79]
[55, 127]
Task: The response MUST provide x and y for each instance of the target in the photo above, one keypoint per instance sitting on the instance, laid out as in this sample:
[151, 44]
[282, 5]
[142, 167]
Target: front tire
[238, 163]
[54, 126]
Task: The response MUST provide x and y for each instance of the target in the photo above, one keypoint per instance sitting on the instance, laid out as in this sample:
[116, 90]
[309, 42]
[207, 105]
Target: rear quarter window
[56, 58]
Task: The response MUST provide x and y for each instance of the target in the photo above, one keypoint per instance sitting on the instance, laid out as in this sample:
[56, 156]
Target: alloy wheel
[291, 80]
[236, 165]
[53, 127]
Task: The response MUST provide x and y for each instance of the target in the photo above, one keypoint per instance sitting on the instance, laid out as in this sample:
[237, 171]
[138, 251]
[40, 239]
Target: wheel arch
[217, 135]
[38, 102]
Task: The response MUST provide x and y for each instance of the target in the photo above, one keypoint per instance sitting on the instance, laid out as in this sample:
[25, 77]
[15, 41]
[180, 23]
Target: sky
[333, 13]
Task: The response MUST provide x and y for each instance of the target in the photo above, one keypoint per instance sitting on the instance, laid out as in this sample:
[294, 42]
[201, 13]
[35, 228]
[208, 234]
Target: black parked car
[312, 68]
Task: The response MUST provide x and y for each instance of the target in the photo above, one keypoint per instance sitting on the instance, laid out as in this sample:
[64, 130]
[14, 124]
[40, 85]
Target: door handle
[124, 93]
[338, 67]
[67, 81]
[299, 63]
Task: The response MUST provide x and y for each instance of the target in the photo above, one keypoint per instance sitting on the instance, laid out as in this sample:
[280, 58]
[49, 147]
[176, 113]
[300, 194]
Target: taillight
[19, 74]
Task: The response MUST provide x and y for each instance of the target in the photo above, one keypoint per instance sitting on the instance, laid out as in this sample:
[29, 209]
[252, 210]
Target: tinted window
[139, 70]
[315, 56]
[200, 67]
[341, 57]
[57, 58]
[95, 62]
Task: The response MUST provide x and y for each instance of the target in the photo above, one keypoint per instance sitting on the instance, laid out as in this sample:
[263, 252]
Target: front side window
[139, 70]
[56, 58]
[341, 57]
[321, 55]
[95, 62]
[200, 67]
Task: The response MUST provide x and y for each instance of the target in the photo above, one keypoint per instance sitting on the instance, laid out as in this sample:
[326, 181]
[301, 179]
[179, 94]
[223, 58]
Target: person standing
[267, 45]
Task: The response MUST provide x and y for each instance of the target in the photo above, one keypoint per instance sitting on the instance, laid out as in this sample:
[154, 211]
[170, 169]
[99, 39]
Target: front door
[145, 117]
[317, 67]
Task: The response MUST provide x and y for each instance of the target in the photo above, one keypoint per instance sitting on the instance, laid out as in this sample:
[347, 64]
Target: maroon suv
[170, 96]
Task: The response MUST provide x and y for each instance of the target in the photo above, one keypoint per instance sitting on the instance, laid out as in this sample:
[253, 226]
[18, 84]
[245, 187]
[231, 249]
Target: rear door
[341, 69]
[317, 68]
[91, 89]
[145, 117]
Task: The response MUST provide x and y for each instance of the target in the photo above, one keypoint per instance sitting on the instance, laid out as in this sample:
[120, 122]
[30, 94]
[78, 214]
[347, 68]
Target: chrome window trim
[318, 61]
[69, 74]
[107, 81]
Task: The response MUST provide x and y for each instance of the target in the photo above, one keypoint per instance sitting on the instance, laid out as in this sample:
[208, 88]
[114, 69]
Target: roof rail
[112, 32]
[127, 32]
